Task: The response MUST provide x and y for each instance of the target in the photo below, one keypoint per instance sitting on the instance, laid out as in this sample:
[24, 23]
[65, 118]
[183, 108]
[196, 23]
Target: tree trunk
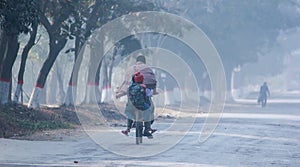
[55, 90]
[18, 93]
[3, 84]
[55, 48]
[230, 94]
[106, 89]
[110, 69]
[6, 72]
[4, 91]
[61, 93]
[71, 90]
[69, 98]
[51, 88]
[92, 89]
[43, 96]
[34, 98]
[3, 48]
[25, 52]
[97, 79]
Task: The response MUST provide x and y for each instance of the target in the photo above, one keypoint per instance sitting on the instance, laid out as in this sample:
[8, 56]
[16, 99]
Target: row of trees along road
[240, 30]
[64, 20]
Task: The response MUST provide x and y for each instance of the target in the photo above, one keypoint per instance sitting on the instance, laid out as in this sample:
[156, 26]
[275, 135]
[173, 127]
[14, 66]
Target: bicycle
[138, 127]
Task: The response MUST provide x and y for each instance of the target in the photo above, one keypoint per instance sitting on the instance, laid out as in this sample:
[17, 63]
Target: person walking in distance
[264, 92]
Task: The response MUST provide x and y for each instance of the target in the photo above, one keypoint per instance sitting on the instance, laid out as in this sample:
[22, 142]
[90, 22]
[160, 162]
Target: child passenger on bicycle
[138, 99]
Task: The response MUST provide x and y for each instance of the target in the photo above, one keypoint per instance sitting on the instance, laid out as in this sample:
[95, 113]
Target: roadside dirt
[55, 123]
[47, 123]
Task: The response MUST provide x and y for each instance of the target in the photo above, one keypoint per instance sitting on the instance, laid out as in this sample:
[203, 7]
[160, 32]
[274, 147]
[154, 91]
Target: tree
[240, 30]
[24, 56]
[98, 14]
[54, 17]
[87, 12]
[16, 17]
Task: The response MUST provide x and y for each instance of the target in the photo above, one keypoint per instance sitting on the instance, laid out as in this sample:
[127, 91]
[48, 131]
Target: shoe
[152, 130]
[125, 132]
[147, 134]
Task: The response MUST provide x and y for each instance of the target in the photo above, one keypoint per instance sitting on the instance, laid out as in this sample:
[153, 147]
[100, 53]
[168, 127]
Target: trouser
[146, 124]
[129, 124]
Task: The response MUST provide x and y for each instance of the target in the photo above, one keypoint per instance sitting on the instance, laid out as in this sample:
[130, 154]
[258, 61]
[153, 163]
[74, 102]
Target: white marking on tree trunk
[92, 96]
[69, 98]
[4, 91]
[17, 93]
[34, 98]
[106, 94]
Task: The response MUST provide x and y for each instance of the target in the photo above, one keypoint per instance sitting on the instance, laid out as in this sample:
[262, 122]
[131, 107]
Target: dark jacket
[149, 77]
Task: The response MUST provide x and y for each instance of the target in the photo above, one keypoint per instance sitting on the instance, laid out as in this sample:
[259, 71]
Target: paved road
[247, 135]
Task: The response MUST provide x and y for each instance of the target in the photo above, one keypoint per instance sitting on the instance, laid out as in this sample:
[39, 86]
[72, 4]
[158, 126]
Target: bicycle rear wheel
[139, 132]
[138, 127]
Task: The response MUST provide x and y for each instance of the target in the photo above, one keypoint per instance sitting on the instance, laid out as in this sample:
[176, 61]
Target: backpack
[137, 96]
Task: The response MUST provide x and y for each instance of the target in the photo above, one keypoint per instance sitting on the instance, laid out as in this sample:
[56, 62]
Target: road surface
[247, 135]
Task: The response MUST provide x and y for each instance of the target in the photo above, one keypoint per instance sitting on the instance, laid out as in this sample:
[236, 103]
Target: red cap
[138, 77]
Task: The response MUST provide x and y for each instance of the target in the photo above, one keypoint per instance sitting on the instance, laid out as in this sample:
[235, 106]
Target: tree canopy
[17, 15]
[241, 30]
